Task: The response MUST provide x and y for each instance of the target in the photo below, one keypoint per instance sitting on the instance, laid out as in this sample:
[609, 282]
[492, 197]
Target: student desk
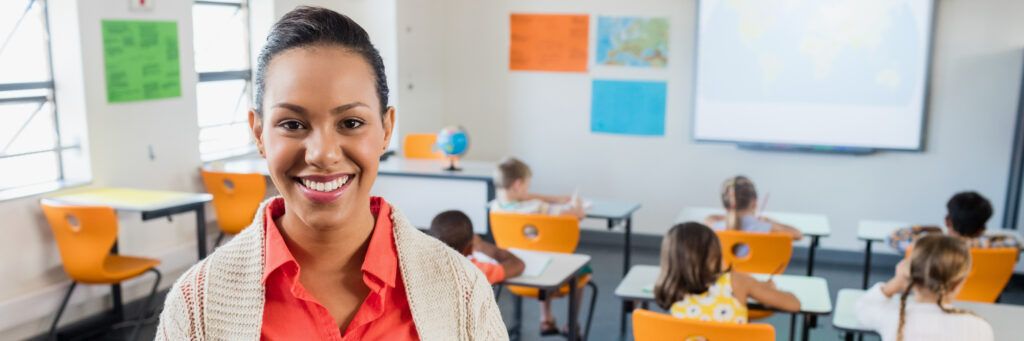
[616, 212]
[1004, 318]
[151, 204]
[812, 225]
[561, 270]
[811, 291]
[419, 188]
[871, 231]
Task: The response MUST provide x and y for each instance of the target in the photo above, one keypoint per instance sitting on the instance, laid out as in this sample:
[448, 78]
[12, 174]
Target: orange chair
[652, 326]
[991, 270]
[541, 232]
[767, 253]
[421, 146]
[236, 197]
[85, 237]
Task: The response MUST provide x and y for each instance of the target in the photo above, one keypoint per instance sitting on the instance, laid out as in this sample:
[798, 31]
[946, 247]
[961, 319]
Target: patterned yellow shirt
[717, 304]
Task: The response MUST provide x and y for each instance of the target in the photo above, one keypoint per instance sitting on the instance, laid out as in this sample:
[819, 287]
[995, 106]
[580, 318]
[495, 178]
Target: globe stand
[453, 164]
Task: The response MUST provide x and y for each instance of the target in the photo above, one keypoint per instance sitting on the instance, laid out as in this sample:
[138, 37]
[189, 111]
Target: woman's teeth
[329, 186]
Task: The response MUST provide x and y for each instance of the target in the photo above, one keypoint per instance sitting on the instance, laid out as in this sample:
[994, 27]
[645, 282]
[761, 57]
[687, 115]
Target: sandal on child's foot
[549, 328]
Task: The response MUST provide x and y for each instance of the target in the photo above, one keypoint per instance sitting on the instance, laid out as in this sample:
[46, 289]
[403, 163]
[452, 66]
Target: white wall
[544, 118]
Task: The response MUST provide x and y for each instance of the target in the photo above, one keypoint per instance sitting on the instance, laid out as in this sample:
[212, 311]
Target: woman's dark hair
[308, 26]
[691, 261]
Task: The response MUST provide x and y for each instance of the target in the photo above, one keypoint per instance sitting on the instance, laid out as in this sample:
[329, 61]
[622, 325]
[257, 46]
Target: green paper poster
[141, 60]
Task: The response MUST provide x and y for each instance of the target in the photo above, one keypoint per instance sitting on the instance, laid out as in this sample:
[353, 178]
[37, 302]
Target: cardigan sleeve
[174, 318]
[487, 323]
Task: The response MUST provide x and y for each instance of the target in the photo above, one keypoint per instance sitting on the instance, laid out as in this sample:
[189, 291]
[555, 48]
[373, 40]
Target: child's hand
[900, 281]
[903, 270]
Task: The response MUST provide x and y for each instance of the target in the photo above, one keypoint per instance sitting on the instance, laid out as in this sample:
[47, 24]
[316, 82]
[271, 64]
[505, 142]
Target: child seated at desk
[455, 229]
[966, 215]
[513, 181]
[740, 200]
[935, 273]
[692, 283]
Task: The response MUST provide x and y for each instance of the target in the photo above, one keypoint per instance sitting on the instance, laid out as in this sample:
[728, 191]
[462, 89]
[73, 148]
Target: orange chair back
[652, 326]
[421, 146]
[768, 253]
[991, 270]
[236, 197]
[84, 237]
[538, 232]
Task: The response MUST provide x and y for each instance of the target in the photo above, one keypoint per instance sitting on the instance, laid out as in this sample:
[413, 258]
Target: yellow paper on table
[122, 197]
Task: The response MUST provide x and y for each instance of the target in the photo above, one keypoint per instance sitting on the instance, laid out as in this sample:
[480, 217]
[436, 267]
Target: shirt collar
[380, 261]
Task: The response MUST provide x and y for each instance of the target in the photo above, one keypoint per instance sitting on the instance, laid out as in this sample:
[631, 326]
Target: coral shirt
[292, 313]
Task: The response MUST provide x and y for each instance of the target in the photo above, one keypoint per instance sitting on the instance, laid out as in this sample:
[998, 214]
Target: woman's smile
[324, 189]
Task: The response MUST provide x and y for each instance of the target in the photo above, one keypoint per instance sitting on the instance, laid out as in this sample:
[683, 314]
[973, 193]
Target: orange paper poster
[549, 42]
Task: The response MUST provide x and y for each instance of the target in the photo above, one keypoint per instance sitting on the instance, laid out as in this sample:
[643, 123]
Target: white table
[616, 212]
[813, 225]
[1004, 318]
[561, 270]
[150, 203]
[812, 292]
[871, 231]
[468, 190]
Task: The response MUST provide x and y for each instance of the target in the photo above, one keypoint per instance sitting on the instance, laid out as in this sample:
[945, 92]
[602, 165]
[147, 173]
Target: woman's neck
[339, 248]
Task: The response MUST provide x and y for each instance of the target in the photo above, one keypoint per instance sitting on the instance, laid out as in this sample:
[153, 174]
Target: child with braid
[934, 274]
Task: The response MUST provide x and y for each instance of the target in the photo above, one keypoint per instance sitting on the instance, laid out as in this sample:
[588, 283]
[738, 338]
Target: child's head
[967, 213]
[455, 229]
[939, 264]
[738, 194]
[513, 176]
[691, 261]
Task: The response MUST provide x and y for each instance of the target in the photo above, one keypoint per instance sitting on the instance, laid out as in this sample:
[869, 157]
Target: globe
[453, 141]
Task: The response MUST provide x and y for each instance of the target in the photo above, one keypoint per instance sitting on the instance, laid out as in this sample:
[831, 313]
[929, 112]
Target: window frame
[229, 75]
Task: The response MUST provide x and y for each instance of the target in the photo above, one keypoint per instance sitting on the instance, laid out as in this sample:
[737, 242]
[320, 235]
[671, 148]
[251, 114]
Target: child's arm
[713, 219]
[764, 292]
[875, 304]
[513, 265]
[783, 228]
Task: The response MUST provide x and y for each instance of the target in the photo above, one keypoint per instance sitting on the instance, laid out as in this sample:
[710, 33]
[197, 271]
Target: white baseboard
[42, 304]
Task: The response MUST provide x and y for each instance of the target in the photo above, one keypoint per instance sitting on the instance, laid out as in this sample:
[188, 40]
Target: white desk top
[130, 199]
[1004, 318]
[480, 170]
[609, 209]
[808, 224]
[558, 271]
[811, 291]
[879, 230]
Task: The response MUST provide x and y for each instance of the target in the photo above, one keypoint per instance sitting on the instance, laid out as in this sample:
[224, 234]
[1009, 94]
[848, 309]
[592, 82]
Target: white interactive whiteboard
[849, 73]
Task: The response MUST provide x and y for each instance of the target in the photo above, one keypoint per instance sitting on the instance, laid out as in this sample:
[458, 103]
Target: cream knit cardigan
[222, 297]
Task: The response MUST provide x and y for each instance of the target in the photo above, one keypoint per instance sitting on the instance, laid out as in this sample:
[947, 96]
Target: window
[30, 143]
[221, 36]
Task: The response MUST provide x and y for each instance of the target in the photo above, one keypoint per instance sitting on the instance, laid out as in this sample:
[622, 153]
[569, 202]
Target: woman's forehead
[320, 74]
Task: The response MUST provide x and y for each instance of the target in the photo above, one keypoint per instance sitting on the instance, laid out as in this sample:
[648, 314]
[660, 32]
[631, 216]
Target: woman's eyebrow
[291, 107]
[346, 107]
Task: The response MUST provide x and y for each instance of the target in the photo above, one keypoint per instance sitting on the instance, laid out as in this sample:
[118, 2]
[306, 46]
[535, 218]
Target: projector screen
[844, 73]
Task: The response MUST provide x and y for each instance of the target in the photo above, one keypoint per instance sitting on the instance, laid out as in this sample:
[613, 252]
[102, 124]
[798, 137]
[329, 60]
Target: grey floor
[607, 264]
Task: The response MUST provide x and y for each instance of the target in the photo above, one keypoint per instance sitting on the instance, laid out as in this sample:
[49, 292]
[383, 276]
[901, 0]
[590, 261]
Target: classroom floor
[607, 262]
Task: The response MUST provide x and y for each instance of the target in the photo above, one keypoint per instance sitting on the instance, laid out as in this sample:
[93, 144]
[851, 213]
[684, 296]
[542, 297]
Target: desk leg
[627, 306]
[517, 328]
[805, 332]
[572, 308]
[201, 231]
[115, 293]
[792, 327]
[810, 255]
[867, 265]
[629, 246]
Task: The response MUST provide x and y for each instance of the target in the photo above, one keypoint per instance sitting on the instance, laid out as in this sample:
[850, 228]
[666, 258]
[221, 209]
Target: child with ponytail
[740, 200]
[926, 284]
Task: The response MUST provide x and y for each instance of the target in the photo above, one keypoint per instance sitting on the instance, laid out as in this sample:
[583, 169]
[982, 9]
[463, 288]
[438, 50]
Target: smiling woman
[325, 260]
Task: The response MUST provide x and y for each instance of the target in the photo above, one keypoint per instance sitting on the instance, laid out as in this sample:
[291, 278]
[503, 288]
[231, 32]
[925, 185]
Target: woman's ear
[256, 125]
[389, 126]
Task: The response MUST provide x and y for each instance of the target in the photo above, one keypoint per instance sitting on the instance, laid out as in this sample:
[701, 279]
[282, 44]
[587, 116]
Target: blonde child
[455, 229]
[740, 200]
[513, 181]
[935, 273]
[692, 283]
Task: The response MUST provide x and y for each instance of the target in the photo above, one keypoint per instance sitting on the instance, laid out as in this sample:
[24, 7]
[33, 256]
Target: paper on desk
[535, 262]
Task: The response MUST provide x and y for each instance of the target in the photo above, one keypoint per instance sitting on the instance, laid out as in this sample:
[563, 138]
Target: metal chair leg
[590, 314]
[63, 304]
[497, 292]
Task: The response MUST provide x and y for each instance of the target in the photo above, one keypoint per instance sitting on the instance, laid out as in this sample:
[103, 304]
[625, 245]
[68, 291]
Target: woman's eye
[352, 124]
[291, 125]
